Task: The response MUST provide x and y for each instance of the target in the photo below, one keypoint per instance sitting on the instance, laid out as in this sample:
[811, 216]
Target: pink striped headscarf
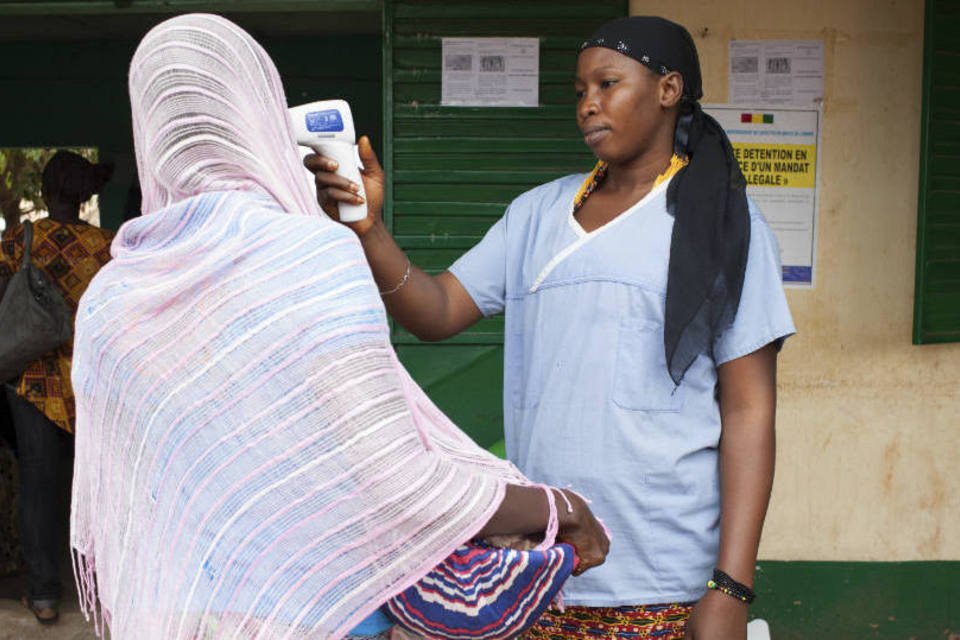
[252, 461]
[209, 114]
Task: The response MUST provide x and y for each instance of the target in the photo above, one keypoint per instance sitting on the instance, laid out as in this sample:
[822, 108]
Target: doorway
[64, 81]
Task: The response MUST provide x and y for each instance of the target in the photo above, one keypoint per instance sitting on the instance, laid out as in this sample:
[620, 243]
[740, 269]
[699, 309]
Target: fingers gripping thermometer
[327, 128]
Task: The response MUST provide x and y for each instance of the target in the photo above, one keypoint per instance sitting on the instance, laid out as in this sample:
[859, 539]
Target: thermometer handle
[346, 157]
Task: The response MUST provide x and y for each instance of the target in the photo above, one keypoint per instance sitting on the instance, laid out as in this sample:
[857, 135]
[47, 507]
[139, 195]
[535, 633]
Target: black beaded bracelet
[725, 584]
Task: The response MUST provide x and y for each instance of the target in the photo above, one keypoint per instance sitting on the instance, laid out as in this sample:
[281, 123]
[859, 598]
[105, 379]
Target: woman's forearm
[524, 510]
[429, 307]
[746, 479]
[747, 454]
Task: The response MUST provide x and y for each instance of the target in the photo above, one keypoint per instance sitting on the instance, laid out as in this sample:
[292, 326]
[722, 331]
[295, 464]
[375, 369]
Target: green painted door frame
[937, 290]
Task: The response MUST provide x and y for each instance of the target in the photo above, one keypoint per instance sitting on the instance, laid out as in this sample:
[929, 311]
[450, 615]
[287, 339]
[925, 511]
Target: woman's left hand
[717, 616]
[581, 529]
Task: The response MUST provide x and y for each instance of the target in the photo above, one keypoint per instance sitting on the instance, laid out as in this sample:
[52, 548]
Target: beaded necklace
[593, 181]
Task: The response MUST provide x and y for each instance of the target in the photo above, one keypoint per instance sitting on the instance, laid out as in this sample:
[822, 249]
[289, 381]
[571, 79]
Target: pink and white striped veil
[252, 461]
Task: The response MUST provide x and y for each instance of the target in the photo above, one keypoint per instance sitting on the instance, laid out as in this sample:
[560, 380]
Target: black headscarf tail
[707, 198]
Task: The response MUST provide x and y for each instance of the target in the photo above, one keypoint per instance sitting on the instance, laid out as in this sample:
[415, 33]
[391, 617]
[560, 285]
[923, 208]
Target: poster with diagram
[490, 72]
[776, 72]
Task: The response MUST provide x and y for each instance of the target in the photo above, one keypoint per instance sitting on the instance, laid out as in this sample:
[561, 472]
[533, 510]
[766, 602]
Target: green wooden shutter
[937, 294]
[453, 170]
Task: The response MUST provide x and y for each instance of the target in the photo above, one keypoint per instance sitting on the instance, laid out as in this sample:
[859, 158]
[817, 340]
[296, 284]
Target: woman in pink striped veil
[252, 459]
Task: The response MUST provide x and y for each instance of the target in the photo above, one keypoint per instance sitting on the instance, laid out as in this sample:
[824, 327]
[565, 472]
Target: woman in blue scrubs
[644, 311]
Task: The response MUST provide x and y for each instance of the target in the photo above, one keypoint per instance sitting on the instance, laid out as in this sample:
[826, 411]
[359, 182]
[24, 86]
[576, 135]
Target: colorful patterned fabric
[484, 592]
[69, 255]
[648, 622]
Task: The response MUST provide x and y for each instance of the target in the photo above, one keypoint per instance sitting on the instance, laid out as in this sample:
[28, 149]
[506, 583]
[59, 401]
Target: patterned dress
[650, 622]
[69, 255]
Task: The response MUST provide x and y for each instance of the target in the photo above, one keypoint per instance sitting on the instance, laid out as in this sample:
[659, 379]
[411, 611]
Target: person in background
[644, 311]
[69, 252]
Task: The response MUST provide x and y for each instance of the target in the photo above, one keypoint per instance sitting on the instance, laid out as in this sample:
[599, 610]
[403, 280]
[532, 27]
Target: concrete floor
[17, 623]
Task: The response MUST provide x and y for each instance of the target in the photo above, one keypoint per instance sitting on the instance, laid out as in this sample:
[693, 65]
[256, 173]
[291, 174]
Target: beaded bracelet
[725, 584]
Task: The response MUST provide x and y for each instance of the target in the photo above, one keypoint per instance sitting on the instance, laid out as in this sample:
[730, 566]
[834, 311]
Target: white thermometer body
[327, 128]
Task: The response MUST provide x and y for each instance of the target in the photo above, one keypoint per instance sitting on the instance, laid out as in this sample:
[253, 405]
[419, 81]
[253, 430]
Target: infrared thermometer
[327, 128]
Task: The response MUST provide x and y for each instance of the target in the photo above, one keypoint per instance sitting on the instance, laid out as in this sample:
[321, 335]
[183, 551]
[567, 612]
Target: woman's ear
[671, 89]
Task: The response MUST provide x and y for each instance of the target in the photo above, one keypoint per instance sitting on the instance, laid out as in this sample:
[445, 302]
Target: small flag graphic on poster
[756, 118]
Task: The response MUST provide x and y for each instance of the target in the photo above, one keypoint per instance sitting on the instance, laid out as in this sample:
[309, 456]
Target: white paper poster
[491, 72]
[776, 72]
[777, 150]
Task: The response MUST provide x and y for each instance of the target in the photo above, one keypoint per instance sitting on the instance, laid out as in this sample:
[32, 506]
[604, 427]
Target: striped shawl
[252, 461]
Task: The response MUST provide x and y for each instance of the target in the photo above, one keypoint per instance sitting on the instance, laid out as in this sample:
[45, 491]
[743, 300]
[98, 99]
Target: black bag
[34, 317]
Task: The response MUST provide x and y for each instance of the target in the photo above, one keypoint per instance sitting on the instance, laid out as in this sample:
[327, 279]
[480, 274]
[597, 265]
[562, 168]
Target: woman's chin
[599, 150]
[607, 157]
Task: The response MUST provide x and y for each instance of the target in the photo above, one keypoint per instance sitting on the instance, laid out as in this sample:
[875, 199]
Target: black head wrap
[707, 198]
[69, 177]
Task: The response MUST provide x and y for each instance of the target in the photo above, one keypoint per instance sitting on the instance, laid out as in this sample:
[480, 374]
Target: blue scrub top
[588, 402]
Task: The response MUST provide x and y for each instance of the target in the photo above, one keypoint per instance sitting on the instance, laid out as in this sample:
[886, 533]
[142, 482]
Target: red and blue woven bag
[484, 592]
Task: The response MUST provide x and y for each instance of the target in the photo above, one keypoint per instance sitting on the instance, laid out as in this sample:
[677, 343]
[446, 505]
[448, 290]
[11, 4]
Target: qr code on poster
[492, 63]
[778, 65]
[458, 62]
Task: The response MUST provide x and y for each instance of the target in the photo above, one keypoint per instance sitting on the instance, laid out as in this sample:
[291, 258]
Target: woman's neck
[637, 175]
[66, 213]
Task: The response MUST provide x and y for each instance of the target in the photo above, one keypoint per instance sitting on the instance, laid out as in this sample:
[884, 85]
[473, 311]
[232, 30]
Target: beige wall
[868, 424]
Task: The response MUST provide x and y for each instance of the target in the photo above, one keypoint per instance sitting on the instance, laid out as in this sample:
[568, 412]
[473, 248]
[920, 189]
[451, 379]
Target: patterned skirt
[653, 622]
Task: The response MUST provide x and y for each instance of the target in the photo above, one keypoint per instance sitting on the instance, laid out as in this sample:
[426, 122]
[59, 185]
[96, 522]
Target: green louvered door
[452, 170]
[937, 297]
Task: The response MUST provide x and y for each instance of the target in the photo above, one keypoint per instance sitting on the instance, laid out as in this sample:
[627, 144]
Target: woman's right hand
[333, 188]
[583, 531]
